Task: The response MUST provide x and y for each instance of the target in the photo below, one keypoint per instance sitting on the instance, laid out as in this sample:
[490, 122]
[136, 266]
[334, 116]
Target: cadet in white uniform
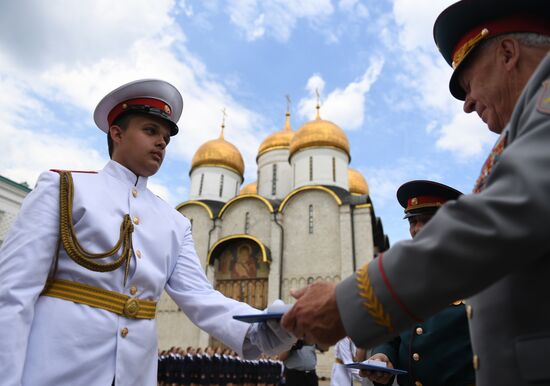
[345, 352]
[86, 261]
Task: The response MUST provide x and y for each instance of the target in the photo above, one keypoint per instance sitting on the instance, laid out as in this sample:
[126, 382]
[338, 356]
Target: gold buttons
[134, 192]
[124, 332]
[418, 383]
[475, 362]
[416, 356]
[138, 254]
[469, 311]
[136, 220]
[419, 331]
[133, 290]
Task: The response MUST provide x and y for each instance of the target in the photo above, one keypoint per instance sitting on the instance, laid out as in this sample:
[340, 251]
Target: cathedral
[308, 216]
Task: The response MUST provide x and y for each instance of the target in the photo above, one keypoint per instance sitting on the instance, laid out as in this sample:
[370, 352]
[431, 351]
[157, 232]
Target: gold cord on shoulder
[73, 248]
[373, 305]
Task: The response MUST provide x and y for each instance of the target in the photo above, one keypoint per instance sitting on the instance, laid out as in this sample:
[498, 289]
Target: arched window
[246, 222]
[201, 184]
[311, 168]
[274, 181]
[221, 185]
[333, 169]
[311, 219]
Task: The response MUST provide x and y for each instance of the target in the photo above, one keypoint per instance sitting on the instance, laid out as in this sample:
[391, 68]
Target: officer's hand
[378, 376]
[315, 316]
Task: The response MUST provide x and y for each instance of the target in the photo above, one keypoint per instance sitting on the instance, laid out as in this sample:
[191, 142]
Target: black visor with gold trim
[423, 197]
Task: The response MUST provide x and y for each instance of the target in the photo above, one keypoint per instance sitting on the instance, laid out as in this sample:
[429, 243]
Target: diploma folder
[370, 367]
[257, 318]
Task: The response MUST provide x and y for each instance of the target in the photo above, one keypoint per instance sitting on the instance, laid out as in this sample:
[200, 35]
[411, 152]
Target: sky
[374, 63]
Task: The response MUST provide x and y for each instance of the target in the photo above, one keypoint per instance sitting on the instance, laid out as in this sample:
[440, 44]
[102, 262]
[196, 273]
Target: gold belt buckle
[131, 308]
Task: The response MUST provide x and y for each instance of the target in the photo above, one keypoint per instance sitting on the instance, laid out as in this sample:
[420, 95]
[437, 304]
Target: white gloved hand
[269, 337]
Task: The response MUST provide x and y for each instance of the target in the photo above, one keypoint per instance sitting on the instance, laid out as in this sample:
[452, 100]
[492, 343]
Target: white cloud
[427, 75]
[356, 7]
[465, 136]
[51, 73]
[26, 153]
[40, 33]
[343, 105]
[275, 18]
[415, 20]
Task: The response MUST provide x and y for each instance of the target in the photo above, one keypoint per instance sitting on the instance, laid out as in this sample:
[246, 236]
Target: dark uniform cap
[149, 96]
[424, 197]
[460, 28]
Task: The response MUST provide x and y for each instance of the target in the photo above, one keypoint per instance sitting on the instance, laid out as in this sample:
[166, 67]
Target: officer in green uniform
[437, 351]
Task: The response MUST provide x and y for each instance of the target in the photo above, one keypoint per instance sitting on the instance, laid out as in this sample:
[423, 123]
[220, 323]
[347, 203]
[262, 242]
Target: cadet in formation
[85, 262]
[436, 351]
[490, 247]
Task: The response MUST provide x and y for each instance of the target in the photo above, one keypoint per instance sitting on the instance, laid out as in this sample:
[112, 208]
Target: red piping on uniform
[392, 292]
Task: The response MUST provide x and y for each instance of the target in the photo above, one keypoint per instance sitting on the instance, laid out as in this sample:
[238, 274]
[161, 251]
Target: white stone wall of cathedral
[315, 166]
[282, 171]
[214, 183]
[346, 250]
[200, 226]
[312, 247]
[364, 250]
[235, 217]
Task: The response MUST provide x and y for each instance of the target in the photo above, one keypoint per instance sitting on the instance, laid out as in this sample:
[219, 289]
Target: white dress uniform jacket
[53, 342]
[344, 352]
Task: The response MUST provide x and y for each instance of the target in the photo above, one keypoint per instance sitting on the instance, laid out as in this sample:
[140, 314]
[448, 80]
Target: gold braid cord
[73, 247]
[373, 305]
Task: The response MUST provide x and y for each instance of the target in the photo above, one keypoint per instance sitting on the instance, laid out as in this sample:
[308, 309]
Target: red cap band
[121, 107]
[424, 201]
[510, 24]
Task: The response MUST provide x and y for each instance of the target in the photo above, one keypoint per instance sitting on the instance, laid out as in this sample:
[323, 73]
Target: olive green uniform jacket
[436, 352]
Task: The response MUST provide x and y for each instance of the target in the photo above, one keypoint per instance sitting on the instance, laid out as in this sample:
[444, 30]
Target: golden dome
[219, 152]
[357, 183]
[251, 188]
[319, 133]
[279, 140]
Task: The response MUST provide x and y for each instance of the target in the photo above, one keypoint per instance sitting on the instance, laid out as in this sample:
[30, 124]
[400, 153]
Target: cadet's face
[142, 146]
[416, 223]
[483, 80]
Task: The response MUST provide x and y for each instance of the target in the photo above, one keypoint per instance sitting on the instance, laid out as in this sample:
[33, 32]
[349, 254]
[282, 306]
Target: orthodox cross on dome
[287, 120]
[288, 102]
[318, 103]
[224, 115]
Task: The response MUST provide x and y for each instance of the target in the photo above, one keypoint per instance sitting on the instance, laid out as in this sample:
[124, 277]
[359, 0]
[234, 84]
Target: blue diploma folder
[256, 318]
[365, 366]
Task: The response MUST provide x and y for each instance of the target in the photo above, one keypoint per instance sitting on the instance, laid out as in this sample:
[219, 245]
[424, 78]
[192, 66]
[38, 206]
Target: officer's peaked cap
[424, 197]
[463, 26]
[149, 96]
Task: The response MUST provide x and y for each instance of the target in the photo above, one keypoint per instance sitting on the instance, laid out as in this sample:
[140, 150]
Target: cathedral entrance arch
[241, 269]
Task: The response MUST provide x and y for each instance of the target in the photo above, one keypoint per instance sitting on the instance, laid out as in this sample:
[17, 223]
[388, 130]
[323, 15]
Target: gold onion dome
[357, 183]
[251, 188]
[219, 152]
[319, 133]
[279, 140]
